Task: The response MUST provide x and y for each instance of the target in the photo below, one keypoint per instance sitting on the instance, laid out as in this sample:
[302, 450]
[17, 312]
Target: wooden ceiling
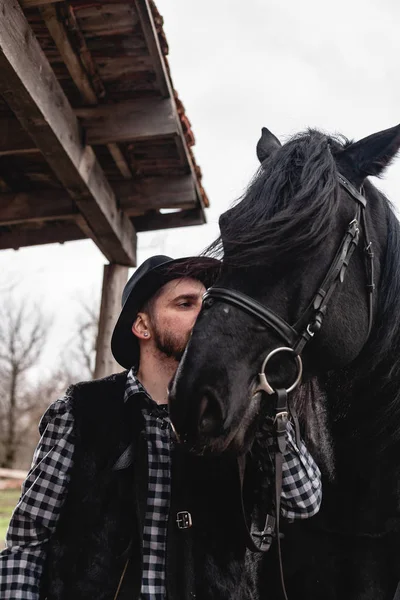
[94, 141]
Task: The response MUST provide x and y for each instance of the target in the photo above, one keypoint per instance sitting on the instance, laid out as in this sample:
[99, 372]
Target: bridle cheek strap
[260, 541]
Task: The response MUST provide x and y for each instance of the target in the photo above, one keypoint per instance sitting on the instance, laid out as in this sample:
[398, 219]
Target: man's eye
[185, 304]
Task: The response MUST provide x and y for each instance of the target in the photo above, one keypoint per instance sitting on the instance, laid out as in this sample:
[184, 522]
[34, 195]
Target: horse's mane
[288, 208]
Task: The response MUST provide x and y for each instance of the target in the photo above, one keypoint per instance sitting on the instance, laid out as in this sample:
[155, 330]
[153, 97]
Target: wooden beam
[34, 235]
[33, 93]
[153, 45]
[135, 197]
[53, 19]
[182, 218]
[82, 51]
[164, 83]
[103, 124]
[128, 121]
[114, 280]
[78, 65]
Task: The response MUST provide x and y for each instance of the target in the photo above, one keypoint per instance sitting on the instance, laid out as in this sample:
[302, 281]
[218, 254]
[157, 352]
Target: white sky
[238, 66]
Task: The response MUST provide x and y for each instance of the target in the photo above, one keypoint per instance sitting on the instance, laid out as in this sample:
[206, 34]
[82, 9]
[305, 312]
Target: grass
[8, 500]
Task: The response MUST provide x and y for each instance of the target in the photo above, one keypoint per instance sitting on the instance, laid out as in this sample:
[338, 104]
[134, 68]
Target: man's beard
[169, 344]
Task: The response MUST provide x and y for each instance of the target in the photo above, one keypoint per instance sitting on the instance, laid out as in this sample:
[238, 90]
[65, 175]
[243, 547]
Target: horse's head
[298, 243]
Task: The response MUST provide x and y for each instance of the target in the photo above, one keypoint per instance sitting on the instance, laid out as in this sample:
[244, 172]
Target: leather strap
[256, 309]
[369, 255]
[281, 418]
[311, 320]
[121, 579]
[261, 541]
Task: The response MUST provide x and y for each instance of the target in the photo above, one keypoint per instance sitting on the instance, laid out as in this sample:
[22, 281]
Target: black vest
[102, 520]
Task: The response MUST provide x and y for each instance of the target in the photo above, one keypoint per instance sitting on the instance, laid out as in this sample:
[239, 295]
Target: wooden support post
[114, 280]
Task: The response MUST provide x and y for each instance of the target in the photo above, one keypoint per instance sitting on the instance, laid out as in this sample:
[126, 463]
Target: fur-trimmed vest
[101, 524]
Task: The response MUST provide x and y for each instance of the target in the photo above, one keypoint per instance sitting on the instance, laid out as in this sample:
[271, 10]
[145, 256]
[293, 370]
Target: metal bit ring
[265, 386]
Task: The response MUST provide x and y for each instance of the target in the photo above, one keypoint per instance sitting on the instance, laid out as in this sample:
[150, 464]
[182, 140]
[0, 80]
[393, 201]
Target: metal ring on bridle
[265, 386]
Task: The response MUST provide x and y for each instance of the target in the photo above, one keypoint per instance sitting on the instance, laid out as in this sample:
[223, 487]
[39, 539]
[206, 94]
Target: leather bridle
[296, 337]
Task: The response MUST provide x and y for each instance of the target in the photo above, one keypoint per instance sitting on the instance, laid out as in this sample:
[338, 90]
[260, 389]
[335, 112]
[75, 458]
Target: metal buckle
[310, 332]
[284, 414]
[184, 519]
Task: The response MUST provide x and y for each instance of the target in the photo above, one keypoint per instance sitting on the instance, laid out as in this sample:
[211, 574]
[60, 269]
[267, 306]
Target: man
[98, 507]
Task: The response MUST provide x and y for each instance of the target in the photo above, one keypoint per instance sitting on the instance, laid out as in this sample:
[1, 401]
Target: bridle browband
[296, 337]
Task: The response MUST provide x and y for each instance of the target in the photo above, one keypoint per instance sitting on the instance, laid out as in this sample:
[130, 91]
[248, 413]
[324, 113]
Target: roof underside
[94, 141]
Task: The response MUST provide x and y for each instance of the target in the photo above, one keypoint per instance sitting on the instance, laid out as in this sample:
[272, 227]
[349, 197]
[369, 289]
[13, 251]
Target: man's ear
[373, 154]
[267, 144]
[141, 326]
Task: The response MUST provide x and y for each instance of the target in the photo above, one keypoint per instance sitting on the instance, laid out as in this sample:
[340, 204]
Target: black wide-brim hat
[146, 280]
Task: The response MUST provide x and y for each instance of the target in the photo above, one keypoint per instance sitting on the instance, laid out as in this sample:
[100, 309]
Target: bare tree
[23, 333]
[79, 358]
[38, 396]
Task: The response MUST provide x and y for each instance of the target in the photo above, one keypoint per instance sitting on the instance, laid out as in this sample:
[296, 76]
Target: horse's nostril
[210, 414]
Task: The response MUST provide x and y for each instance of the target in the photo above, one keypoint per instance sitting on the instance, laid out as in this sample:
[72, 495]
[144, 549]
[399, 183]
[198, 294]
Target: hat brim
[124, 344]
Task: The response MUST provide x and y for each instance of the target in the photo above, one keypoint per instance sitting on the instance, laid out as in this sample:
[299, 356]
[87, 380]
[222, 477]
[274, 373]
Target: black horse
[278, 243]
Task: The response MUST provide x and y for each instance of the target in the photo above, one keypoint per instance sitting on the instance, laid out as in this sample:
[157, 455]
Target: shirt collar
[133, 387]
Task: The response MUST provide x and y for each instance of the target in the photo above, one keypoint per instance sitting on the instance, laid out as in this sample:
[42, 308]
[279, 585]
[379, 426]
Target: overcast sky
[238, 66]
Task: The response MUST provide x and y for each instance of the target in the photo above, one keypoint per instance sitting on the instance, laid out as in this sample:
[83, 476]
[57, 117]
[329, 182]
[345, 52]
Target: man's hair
[148, 306]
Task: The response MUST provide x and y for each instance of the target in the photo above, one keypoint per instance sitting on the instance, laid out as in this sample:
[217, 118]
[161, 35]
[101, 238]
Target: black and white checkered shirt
[43, 493]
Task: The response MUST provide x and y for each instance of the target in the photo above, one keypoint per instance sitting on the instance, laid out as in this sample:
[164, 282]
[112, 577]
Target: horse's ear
[267, 144]
[371, 155]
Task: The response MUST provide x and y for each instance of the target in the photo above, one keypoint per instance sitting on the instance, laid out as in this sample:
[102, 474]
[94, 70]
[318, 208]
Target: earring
[145, 334]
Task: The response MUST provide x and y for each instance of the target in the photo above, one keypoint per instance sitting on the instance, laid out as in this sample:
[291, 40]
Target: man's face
[173, 315]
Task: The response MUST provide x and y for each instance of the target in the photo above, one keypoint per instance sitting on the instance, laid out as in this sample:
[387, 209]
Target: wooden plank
[128, 121]
[135, 197]
[120, 161]
[182, 218]
[33, 3]
[32, 91]
[114, 280]
[140, 195]
[32, 235]
[114, 68]
[42, 205]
